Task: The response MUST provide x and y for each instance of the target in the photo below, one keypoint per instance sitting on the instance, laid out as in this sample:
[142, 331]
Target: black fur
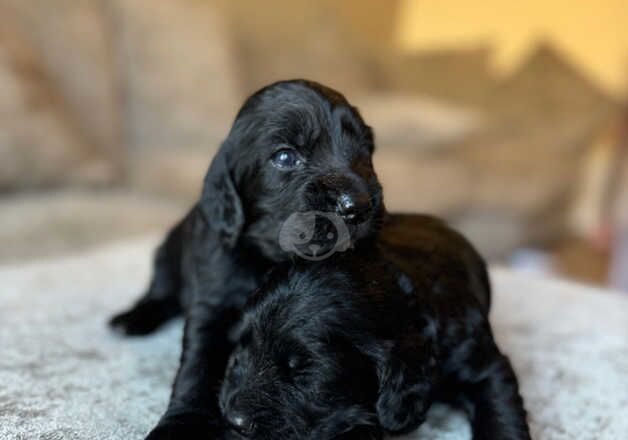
[211, 261]
[361, 344]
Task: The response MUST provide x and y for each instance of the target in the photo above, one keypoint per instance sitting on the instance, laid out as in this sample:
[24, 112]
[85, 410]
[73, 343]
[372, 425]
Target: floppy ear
[406, 380]
[220, 202]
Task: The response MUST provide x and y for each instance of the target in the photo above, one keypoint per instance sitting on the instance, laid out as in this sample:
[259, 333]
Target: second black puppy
[361, 344]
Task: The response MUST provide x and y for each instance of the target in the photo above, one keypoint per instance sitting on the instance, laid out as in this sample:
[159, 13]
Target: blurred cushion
[73, 43]
[177, 70]
[40, 144]
[286, 39]
[401, 120]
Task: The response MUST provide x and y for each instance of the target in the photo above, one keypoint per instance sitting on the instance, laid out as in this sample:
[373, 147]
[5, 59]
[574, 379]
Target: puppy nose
[240, 422]
[353, 207]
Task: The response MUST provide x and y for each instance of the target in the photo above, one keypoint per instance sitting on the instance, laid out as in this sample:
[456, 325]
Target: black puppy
[295, 147]
[361, 344]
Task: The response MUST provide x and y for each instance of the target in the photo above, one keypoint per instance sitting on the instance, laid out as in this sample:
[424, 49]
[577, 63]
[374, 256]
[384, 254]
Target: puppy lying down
[361, 344]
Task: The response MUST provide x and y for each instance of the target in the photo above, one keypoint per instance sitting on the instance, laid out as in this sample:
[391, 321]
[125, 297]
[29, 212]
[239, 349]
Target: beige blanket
[63, 375]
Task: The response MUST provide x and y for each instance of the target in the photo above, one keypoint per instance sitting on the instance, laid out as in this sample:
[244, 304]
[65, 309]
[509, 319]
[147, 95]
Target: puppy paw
[401, 414]
[188, 427]
[178, 432]
[142, 319]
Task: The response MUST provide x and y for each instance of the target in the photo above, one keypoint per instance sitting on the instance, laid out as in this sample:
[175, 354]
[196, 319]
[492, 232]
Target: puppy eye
[286, 159]
[236, 358]
[293, 363]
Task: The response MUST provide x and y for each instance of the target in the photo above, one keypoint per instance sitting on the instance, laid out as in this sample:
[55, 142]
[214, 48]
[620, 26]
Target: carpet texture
[63, 375]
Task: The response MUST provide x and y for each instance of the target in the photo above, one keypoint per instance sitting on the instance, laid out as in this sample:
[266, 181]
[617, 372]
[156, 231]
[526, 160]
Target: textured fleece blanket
[63, 375]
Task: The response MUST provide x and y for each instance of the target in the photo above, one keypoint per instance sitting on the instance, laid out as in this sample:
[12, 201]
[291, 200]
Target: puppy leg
[193, 412]
[161, 302]
[492, 396]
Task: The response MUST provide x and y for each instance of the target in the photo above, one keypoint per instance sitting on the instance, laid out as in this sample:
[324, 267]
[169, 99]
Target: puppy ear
[406, 379]
[220, 202]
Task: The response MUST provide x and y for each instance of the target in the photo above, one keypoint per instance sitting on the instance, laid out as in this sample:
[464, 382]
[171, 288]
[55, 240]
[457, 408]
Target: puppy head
[297, 372]
[295, 147]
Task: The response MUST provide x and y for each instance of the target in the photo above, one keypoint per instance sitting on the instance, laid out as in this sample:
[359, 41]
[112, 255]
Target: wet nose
[353, 208]
[240, 422]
